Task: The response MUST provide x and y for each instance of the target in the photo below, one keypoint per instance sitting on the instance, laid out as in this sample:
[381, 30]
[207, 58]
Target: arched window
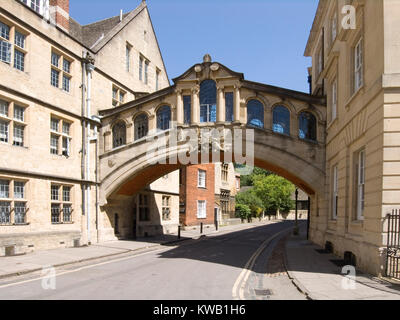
[281, 120]
[163, 118]
[255, 113]
[141, 126]
[119, 134]
[307, 126]
[208, 101]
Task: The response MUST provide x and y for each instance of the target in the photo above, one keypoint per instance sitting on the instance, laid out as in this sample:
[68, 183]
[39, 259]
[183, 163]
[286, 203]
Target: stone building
[227, 185]
[55, 76]
[355, 62]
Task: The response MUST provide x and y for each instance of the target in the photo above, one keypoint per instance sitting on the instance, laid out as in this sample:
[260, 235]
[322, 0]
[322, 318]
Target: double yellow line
[238, 288]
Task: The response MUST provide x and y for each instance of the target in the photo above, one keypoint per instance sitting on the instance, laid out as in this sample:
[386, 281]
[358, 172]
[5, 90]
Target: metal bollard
[201, 228]
[179, 232]
[216, 225]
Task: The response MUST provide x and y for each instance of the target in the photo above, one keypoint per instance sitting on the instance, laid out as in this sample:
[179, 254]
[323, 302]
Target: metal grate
[393, 245]
[263, 292]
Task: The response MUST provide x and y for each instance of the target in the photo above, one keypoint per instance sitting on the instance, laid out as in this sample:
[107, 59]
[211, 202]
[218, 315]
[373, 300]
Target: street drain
[263, 292]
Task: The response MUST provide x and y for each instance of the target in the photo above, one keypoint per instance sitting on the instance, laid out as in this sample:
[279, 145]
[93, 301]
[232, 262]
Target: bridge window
[163, 118]
[307, 126]
[281, 120]
[255, 113]
[208, 101]
[119, 134]
[229, 106]
[141, 126]
[187, 109]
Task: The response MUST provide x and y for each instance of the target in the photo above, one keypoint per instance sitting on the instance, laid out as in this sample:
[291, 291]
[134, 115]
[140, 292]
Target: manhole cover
[263, 292]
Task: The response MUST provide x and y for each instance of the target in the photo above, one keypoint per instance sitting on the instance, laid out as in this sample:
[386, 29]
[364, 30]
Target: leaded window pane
[4, 31]
[307, 126]
[55, 58]
[18, 135]
[55, 213]
[208, 101]
[66, 66]
[20, 39]
[54, 78]
[55, 193]
[5, 212]
[4, 189]
[281, 120]
[67, 194]
[3, 131]
[141, 126]
[19, 113]
[20, 212]
[19, 190]
[66, 127]
[67, 213]
[54, 144]
[229, 106]
[19, 60]
[119, 135]
[4, 108]
[5, 51]
[54, 124]
[255, 113]
[163, 118]
[65, 146]
[187, 109]
[66, 83]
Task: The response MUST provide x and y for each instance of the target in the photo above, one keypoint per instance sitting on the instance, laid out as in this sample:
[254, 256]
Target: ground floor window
[61, 206]
[201, 209]
[166, 208]
[13, 206]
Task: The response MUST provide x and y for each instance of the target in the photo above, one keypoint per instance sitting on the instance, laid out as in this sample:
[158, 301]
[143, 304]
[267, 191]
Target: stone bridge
[138, 140]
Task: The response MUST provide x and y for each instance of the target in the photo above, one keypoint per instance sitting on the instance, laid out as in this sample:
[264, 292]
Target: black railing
[393, 245]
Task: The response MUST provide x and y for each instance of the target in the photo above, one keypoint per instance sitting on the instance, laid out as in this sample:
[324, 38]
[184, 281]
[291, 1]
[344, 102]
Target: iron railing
[393, 245]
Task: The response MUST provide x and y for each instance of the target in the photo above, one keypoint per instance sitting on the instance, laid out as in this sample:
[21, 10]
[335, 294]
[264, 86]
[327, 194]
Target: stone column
[179, 107]
[129, 133]
[107, 141]
[220, 104]
[196, 105]
[236, 107]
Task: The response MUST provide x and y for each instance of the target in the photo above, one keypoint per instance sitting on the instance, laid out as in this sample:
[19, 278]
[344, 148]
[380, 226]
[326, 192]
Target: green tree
[243, 212]
[250, 199]
[274, 191]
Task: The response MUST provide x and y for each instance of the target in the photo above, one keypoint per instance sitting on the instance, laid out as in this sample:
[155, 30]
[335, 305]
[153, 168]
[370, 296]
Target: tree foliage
[250, 199]
[243, 211]
[274, 192]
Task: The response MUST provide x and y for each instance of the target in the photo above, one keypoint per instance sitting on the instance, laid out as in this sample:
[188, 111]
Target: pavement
[319, 278]
[38, 260]
[313, 273]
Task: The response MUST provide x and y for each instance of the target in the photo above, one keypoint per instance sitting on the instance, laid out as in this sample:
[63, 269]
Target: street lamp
[296, 227]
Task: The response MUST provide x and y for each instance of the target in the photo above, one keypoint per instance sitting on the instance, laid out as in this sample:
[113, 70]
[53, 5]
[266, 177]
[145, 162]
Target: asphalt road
[224, 267]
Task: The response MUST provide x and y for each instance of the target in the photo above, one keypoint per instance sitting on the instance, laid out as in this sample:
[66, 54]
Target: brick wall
[60, 9]
[193, 193]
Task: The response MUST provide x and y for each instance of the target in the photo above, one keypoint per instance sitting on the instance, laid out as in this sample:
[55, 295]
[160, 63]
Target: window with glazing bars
[187, 109]
[5, 212]
[4, 189]
[20, 212]
[55, 213]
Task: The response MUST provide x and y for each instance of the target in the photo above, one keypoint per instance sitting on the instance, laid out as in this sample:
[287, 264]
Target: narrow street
[237, 265]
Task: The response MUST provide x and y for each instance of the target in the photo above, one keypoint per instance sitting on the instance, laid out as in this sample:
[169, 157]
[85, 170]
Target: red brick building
[197, 195]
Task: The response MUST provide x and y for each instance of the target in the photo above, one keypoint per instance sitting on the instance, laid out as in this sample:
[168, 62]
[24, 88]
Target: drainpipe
[96, 139]
[83, 186]
[89, 68]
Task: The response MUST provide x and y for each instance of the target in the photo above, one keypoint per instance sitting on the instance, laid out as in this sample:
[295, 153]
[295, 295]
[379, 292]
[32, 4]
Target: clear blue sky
[264, 39]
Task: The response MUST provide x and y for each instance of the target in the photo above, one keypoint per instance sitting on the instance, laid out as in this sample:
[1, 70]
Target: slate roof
[95, 35]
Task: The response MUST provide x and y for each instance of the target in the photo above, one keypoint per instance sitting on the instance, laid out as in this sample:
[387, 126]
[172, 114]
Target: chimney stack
[120, 16]
[59, 11]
